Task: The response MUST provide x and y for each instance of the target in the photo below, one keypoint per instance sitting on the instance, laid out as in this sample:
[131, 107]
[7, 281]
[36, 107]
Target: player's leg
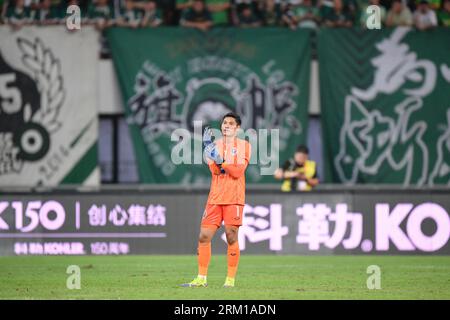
[204, 249]
[233, 254]
[233, 219]
[210, 223]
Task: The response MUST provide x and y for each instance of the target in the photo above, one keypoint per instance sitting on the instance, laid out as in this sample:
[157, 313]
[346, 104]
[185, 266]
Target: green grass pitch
[259, 277]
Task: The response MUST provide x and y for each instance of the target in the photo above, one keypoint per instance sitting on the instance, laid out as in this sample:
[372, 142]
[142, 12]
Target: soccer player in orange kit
[228, 159]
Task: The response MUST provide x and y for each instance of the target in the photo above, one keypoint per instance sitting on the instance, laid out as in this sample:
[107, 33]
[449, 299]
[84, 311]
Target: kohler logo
[388, 221]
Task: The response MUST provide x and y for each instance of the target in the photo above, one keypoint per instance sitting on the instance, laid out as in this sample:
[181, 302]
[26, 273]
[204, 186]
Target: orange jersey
[229, 188]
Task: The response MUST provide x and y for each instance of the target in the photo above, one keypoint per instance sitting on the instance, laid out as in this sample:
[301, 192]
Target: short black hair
[233, 115]
[302, 149]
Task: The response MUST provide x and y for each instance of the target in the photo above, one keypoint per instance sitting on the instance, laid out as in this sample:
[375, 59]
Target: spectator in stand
[219, 11]
[183, 4]
[247, 18]
[152, 16]
[101, 14]
[298, 173]
[326, 7]
[303, 16]
[139, 14]
[444, 14]
[198, 16]
[340, 16]
[365, 16]
[292, 3]
[237, 6]
[352, 9]
[288, 17]
[167, 11]
[131, 15]
[271, 14]
[399, 15]
[18, 15]
[433, 4]
[424, 17]
[218, 8]
[48, 12]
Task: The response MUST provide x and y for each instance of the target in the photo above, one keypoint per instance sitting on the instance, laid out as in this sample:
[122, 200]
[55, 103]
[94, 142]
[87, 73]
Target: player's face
[229, 127]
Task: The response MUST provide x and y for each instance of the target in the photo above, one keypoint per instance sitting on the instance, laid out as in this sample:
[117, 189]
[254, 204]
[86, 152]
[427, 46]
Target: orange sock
[204, 255]
[233, 254]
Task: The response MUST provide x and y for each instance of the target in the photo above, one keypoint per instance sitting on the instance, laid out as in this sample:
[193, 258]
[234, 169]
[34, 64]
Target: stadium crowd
[204, 14]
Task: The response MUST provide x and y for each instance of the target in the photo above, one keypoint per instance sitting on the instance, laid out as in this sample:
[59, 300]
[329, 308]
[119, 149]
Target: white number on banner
[51, 215]
[11, 99]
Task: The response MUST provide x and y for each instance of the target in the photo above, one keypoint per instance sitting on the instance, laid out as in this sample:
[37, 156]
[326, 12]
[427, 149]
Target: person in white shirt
[424, 17]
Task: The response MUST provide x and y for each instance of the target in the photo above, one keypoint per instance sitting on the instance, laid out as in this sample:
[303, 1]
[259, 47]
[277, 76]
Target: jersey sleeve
[237, 169]
[214, 168]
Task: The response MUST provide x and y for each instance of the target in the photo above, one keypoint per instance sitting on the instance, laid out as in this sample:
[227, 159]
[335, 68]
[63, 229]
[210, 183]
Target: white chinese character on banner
[97, 215]
[396, 65]
[156, 215]
[118, 216]
[445, 70]
[114, 248]
[20, 248]
[267, 225]
[313, 227]
[124, 248]
[137, 215]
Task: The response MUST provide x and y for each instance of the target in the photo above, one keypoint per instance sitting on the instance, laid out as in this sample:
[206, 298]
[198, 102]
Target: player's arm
[214, 168]
[290, 174]
[237, 170]
[314, 181]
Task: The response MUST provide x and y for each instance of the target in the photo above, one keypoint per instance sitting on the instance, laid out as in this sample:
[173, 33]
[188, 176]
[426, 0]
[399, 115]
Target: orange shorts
[231, 214]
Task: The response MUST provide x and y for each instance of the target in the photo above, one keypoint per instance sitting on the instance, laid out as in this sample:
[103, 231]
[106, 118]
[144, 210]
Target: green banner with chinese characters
[173, 77]
[385, 102]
